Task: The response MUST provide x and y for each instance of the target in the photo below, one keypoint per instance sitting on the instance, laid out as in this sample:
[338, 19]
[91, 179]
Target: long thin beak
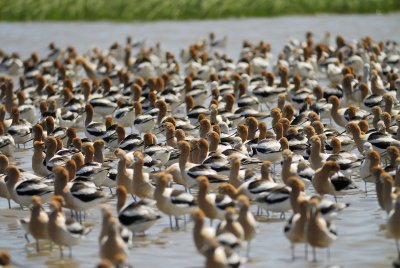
[341, 133]
[233, 134]
[366, 116]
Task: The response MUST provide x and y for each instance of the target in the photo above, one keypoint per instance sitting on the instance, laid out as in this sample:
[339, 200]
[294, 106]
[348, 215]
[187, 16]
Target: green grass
[150, 10]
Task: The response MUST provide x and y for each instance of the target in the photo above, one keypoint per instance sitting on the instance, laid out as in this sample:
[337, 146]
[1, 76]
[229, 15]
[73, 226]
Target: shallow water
[362, 241]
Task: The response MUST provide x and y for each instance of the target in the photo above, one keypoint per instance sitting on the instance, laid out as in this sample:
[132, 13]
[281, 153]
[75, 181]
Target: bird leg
[248, 250]
[258, 211]
[176, 223]
[170, 222]
[27, 238]
[292, 248]
[306, 250]
[314, 254]
[70, 252]
[61, 252]
[366, 192]
[37, 245]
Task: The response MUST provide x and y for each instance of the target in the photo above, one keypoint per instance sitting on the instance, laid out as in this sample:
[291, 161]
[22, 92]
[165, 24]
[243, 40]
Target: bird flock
[200, 138]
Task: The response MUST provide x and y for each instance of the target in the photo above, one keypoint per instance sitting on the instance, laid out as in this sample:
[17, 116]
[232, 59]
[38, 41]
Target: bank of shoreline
[155, 10]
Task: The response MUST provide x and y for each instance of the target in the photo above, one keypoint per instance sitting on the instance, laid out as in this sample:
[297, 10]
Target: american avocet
[130, 142]
[345, 139]
[247, 220]
[98, 155]
[235, 176]
[142, 186]
[3, 187]
[171, 201]
[214, 141]
[298, 94]
[393, 222]
[112, 246]
[22, 189]
[358, 137]
[319, 232]
[324, 183]
[62, 232]
[297, 141]
[297, 192]
[201, 235]
[372, 159]
[103, 106]
[213, 205]
[57, 132]
[305, 172]
[386, 187]
[215, 255]
[317, 159]
[268, 93]
[231, 225]
[38, 133]
[124, 174]
[336, 113]
[253, 188]
[381, 139]
[271, 149]
[191, 171]
[7, 144]
[10, 99]
[157, 152]
[288, 169]
[124, 114]
[6, 122]
[19, 129]
[93, 130]
[91, 169]
[393, 153]
[328, 208]
[38, 221]
[389, 100]
[51, 159]
[295, 227]
[193, 111]
[107, 216]
[277, 199]
[143, 122]
[346, 160]
[79, 195]
[136, 216]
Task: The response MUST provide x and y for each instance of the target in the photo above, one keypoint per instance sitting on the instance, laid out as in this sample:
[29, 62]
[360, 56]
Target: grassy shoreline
[152, 10]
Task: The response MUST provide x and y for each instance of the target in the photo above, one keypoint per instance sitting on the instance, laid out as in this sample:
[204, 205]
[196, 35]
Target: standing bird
[38, 221]
[393, 223]
[112, 246]
[171, 201]
[319, 232]
[63, 232]
[135, 216]
[213, 205]
[247, 220]
[295, 228]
